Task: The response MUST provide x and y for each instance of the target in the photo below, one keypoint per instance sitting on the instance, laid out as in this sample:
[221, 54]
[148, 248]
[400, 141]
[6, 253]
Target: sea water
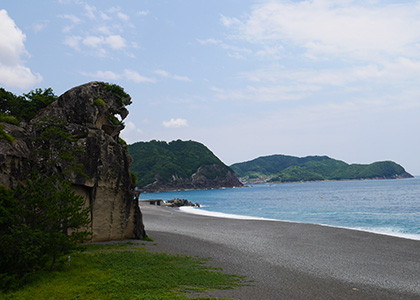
[382, 206]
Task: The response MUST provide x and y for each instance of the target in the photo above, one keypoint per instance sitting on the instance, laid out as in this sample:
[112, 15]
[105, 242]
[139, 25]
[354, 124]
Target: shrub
[9, 119]
[114, 120]
[99, 102]
[122, 142]
[117, 90]
[5, 136]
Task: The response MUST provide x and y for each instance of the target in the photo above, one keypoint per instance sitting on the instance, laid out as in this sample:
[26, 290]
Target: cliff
[283, 168]
[92, 113]
[179, 165]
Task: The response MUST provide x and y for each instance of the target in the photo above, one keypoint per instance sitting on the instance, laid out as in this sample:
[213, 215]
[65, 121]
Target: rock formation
[176, 202]
[199, 180]
[90, 112]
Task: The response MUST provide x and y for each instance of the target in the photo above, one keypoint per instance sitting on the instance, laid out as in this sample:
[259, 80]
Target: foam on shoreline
[384, 231]
[201, 212]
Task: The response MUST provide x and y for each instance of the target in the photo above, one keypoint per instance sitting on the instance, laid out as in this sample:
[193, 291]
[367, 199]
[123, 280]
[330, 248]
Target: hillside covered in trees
[162, 166]
[283, 168]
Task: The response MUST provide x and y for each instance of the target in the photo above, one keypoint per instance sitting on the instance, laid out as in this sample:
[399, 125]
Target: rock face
[90, 112]
[199, 180]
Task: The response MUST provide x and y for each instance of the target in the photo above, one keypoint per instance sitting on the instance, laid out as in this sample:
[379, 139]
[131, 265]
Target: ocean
[390, 207]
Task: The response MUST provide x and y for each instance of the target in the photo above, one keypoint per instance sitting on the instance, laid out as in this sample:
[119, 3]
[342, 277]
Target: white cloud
[233, 51]
[181, 78]
[116, 42]
[123, 16]
[210, 42]
[74, 21]
[93, 41]
[73, 42]
[18, 76]
[162, 73]
[102, 30]
[101, 44]
[166, 74]
[72, 18]
[39, 26]
[13, 72]
[104, 75]
[136, 77]
[105, 30]
[143, 13]
[175, 123]
[129, 75]
[90, 11]
[325, 28]
[104, 16]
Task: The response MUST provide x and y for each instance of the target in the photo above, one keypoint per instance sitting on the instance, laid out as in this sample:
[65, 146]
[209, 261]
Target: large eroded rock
[91, 112]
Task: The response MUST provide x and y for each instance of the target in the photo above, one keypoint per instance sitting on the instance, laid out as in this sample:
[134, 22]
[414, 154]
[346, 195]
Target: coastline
[292, 260]
[198, 211]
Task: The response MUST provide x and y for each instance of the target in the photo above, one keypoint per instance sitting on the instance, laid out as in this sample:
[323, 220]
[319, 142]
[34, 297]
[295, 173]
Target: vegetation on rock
[41, 216]
[25, 107]
[282, 168]
[4, 135]
[117, 90]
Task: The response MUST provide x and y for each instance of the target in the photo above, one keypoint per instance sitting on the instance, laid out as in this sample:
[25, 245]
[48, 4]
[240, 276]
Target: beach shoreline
[292, 260]
[199, 211]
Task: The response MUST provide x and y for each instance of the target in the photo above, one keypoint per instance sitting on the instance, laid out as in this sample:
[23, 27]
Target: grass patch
[4, 135]
[125, 271]
[99, 102]
[9, 119]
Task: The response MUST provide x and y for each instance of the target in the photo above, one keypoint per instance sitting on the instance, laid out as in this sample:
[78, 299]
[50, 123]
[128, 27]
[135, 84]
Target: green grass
[4, 135]
[126, 271]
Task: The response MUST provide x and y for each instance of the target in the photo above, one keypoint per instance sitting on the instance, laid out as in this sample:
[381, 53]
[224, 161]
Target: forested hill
[283, 168]
[162, 166]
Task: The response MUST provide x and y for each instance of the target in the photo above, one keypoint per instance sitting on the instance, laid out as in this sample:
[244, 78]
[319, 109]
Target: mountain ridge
[285, 168]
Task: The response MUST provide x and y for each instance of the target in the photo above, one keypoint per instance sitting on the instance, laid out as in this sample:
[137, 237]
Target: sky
[247, 78]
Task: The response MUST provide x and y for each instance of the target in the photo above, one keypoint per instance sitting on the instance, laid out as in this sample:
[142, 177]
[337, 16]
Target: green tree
[60, 209]
[37, 100]
[42, 218]
[50, 206]
[22, 247]
[24, 108]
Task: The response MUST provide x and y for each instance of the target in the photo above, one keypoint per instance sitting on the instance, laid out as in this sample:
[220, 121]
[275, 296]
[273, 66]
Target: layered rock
[92, 113]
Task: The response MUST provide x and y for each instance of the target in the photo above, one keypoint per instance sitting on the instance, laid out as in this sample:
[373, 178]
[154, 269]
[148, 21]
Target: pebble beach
[291, 260]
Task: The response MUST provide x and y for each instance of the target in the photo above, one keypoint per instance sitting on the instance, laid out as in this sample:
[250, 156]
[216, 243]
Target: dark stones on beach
[180, 202]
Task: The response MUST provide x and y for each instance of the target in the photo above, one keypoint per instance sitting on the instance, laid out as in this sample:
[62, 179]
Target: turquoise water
[381, 206]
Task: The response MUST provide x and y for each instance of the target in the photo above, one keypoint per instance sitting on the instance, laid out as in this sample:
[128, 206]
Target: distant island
[283, 168]
[178, 165]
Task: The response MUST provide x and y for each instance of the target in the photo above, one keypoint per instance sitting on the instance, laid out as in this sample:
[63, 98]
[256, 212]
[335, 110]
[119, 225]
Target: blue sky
[246, 78]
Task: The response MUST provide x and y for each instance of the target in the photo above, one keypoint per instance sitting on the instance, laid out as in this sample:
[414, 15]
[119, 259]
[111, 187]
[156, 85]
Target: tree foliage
[159, 159]
[25, 107]
[42, 218]
[284, 168]
[39, 221]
